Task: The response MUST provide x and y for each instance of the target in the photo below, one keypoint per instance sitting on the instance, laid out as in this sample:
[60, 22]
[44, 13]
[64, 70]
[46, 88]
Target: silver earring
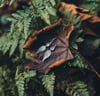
[41, 49]
[53, 48]
[47, 54]
[48, 44]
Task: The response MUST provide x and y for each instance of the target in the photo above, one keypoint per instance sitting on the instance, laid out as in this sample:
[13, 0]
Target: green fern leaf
[7, 47]
[4, 46]
[77, 88]
[77, 20]
[80, 31]
[2, 3]
[78, 62]
[12, 28]
[21, 20]
[48, 82]
[53, 2]
[51, 10]
[79, 39]
[22, 13]
[77, 25]
[13, 47]
[17, 16]
[45, 16]
[20, 25]
[20, 86]
[21, 43]
[87, 6]
[26, 26]
[11, 2]
[22, 78]
[75, 46]
[29, 74]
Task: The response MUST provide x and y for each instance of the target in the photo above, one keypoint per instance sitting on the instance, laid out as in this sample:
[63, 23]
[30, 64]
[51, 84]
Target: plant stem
[86, 62]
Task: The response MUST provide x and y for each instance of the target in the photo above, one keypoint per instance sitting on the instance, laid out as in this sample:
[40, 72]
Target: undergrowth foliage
[21, 78]
[77, 88]
[93, 5]
[25, 22]
[21, 23]
[3, 2]
[78, 62]
[48, 82]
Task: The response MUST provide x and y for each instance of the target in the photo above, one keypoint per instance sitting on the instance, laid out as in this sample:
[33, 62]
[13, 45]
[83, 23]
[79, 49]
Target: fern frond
[26, 26]
[4, 75]
[21, 20]
[77, 88]
[13, 46]
[45, 8]
[21, 51]
[20, 86]
[48, 82]
[3, 2]
[21, 79]
[11, 2]
[93, 5]
[45, 16]
[9, 43]
[78, 62]
[69, 17]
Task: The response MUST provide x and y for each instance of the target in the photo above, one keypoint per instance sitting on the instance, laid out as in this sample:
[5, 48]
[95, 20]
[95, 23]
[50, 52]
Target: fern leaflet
[48, 82]
[77, 88]
[78, 62]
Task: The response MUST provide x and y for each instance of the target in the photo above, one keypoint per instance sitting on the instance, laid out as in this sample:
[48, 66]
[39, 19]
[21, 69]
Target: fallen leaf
[84, 16]
[56, 53]
[68, 7]
[83, 13]
[94, 19]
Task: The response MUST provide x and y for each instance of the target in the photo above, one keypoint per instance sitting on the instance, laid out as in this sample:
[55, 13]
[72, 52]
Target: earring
[43, 48]
[48, 44]
[53, 47]
[47, 54]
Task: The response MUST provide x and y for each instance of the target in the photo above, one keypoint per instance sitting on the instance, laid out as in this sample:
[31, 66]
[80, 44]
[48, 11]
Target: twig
[86, 62]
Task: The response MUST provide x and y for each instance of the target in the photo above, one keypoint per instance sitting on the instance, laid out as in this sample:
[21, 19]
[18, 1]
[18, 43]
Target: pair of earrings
[47, 54]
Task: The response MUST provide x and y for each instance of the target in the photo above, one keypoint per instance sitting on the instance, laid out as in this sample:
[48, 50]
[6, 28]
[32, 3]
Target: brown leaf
[68, 30]
[68, 7]
[84, 13]
[57, 50]
[94, 19]
[57, 63]
[84, 16]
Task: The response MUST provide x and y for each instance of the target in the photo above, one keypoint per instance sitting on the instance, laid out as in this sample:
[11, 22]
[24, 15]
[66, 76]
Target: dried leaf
[94, 19]
[68, 7]
[83, 14]
[68, 30]
[57, 50]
